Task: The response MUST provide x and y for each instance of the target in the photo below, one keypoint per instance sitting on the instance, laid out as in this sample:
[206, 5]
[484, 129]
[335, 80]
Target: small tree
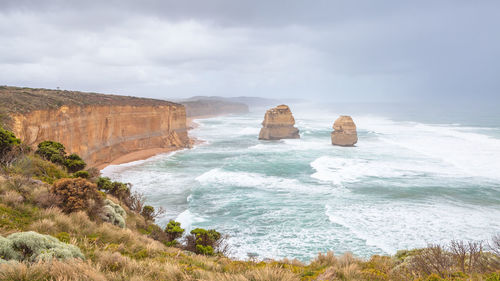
[150, 214]
[74, 163]
[202, 241]
[173, 231]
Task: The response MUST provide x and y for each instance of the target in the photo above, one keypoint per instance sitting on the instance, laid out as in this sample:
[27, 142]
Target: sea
[419, 174]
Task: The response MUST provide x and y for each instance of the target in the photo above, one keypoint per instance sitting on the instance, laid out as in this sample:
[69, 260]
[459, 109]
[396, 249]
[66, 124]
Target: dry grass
[54, 270]
[12, 198]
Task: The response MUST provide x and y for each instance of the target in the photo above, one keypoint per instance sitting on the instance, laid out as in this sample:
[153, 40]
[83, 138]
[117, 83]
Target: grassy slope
[113, 253]
[22, 100]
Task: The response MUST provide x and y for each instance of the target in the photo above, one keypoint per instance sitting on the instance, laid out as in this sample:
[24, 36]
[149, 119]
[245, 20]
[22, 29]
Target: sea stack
[278, 124]
[344, 132]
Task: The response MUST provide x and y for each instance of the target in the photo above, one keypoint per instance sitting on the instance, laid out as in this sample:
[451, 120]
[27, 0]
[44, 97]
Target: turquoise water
[404, 185]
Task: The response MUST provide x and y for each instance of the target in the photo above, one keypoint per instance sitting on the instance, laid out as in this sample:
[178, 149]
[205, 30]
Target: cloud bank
[323, 50]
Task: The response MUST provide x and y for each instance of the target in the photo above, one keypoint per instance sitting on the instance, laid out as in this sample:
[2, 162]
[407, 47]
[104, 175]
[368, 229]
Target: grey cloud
[336, 50]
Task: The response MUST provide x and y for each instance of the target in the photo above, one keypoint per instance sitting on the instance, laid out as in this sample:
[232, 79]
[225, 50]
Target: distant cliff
[98, 127]
[209, 107]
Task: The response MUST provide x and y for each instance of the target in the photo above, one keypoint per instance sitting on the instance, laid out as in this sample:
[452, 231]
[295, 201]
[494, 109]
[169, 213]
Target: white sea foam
[242, 179]
[473, 154]
[187, 219]
[338, 170]
[402, 225]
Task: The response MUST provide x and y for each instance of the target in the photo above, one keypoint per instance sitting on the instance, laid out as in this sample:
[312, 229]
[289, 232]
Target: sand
[147, 153]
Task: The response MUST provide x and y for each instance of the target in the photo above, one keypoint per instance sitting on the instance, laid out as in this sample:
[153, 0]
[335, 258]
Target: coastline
[147, 153]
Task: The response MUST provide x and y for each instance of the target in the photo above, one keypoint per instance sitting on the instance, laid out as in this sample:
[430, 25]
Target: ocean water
[407, 183]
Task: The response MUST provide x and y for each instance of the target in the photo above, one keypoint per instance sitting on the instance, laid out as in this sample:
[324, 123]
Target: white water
[404, 185]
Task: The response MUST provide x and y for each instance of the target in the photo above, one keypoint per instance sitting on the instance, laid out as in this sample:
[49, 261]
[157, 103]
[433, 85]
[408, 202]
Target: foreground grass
[114, 253]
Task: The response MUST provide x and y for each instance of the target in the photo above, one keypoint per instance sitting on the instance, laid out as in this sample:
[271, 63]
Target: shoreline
[144, 154]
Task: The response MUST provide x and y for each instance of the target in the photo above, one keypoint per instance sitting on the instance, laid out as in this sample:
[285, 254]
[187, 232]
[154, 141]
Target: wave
[392, 226]
[224, 178]
[187, 219]
[474, 154]
[339, 170]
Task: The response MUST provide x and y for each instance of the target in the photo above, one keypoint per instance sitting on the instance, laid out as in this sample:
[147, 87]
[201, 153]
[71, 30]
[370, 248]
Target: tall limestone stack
[344, 133]
[278, 124]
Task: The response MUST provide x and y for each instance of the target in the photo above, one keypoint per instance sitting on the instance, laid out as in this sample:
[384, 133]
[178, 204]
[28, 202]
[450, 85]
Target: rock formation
[278, 124]
[99, 128]
[344, 133]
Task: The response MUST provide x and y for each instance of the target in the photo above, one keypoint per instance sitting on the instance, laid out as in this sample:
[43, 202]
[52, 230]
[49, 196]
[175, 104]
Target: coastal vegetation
[58, 222]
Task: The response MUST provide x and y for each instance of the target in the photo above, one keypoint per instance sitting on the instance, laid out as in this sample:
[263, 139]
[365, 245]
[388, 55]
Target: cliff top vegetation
[22, 100]
[60, 224]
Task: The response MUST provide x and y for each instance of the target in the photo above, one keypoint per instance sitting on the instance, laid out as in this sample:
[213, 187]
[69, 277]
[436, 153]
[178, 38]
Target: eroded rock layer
[279, 124]
[100, 128]
[344, 133]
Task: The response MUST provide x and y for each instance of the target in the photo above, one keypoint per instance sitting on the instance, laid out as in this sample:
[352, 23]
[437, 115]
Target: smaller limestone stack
[278, 124]
[344, 133]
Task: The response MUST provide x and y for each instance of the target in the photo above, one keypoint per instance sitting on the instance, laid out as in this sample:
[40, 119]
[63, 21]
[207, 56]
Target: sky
[347, 51]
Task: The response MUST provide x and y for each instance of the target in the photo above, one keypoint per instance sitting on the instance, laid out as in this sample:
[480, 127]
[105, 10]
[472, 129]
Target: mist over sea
[419, 174]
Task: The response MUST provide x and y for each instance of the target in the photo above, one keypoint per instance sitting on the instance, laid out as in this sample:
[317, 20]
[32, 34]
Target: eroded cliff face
[279, 124]
[102, 133]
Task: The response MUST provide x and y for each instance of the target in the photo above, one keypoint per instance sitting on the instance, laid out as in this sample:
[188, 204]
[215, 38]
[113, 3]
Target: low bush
[81, 174]
[78, 195]
[202, 241]
[118, 189]
[151, 214]
[113, 213]
[38, 168]
[7, 141]
[10, 147]
[32, 246]
[52, 151]
[74, 163]
[56, 153]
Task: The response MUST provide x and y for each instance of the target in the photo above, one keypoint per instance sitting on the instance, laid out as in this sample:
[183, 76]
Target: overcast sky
[324, 50]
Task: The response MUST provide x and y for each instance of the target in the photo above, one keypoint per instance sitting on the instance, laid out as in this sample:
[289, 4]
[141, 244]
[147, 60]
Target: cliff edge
[278, 124]
[100, 128]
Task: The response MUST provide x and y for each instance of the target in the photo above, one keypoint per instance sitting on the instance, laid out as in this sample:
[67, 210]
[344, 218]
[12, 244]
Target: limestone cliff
[278, 124]
[344, 133]
[100, 128]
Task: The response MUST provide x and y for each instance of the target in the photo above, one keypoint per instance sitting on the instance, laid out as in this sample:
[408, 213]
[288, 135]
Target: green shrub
[493, 277]
[32, 246]
[56, 153]
[9, 147]
[7, 140]
[52, 151]
[63, 237]
[148, 212]
[113, 213]
[74, 163]
[81, 174]
[202, 241]
[76, 195]
[173, 230]
[118, 189]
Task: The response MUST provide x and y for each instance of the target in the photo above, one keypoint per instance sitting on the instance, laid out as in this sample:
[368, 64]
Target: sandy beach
[147, 153]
